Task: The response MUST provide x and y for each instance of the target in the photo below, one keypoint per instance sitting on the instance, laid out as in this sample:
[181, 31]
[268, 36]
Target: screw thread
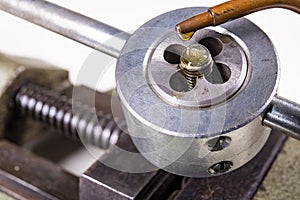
[190, 77]
[76, 120]
[195, 62]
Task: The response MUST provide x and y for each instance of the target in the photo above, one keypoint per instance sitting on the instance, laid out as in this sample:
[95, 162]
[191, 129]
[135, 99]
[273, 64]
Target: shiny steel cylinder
[216, 126]
[284, 115]
[70, 24]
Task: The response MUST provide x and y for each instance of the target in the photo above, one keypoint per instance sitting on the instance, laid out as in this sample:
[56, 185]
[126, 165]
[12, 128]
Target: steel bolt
[196, 61]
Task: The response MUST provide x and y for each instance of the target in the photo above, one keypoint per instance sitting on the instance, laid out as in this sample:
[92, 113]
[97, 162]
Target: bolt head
[197, 58]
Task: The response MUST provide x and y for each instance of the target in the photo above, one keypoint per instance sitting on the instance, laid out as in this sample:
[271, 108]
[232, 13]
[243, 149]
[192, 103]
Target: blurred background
[19, 37]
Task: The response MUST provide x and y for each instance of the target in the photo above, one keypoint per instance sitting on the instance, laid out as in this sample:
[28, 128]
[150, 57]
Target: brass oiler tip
[187, 28]
[230, 10]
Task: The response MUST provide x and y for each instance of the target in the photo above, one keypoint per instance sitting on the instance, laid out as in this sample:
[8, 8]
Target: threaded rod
[76, 120]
